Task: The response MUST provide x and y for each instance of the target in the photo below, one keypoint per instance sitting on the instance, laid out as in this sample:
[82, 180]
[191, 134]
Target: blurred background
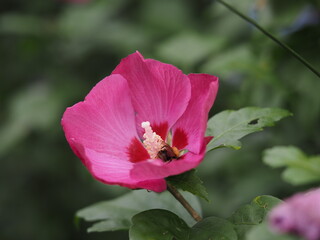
[53, 52]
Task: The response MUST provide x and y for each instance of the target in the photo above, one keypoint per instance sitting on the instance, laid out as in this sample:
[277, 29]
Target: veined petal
[105, 120]
[189, 130]
[105, 130]
[160, 92]
[156, 168]
[111, 169]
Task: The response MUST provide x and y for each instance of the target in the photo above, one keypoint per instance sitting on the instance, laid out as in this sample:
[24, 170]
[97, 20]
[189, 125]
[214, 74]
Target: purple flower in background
[298, 215]
[308, 16]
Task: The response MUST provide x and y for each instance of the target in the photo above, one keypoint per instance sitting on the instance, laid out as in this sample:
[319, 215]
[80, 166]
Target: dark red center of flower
[161, 129]
[180, 139]
[137, 152]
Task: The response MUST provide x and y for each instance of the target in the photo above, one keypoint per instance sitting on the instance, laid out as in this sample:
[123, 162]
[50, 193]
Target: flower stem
[183, 202]
[270, 35]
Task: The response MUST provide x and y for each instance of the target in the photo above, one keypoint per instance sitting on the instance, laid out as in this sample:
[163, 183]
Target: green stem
[183, 202]
[283, 45]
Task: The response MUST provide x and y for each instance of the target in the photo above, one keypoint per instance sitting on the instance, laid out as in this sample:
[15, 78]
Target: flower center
[156, 146]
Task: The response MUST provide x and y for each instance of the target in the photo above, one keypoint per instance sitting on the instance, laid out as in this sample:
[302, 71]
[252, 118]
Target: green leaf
[158, 224]
[36, 107]
[190, 182]
[110, 225]
[197, 46]
[252, 214]
[229, 126]
[262, 232]
[301, 169]
[13, 23]
[213, 228]
[229, 62]
[116, 214]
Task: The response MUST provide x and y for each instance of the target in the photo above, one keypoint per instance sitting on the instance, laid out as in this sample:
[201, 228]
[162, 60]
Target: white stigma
[153, 142]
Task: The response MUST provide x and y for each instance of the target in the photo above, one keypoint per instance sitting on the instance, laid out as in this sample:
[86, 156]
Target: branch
[183, 202]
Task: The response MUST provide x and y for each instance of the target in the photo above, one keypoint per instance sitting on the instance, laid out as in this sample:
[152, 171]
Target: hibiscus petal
[189, 130]
[160, 92]
[156, 168]
[114, 170]
[101, 131]
[105, 120]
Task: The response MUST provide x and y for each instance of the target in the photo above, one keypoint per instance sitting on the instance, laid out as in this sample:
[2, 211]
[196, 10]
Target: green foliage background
[53, 52]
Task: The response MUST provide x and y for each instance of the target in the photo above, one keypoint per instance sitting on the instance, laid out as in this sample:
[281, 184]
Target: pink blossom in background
[298, 215]
[143, 123]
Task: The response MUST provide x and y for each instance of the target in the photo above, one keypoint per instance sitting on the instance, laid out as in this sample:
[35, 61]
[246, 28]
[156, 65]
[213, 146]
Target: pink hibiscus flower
[143, 123]
[298, 215]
